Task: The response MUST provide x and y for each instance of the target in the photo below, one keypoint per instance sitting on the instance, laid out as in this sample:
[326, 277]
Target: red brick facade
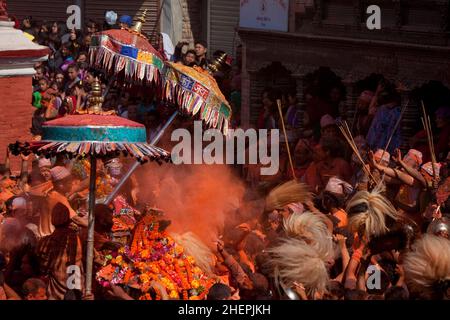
[15, 114]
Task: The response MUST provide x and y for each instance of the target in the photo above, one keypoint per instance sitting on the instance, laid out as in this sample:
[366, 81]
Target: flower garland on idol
[155, 257]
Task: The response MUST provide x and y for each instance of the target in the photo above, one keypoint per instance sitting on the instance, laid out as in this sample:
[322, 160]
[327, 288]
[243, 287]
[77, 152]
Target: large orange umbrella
[195, 91]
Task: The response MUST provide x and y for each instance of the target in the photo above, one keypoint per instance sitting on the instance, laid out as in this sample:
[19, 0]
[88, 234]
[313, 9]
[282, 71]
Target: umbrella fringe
[138, 150]
[193, 103]
[134, 70]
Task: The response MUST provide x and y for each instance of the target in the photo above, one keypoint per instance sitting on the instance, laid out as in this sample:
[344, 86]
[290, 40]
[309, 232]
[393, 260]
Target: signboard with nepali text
[264, 14]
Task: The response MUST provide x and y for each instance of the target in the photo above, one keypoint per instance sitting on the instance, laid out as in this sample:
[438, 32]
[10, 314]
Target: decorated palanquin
[154, 257]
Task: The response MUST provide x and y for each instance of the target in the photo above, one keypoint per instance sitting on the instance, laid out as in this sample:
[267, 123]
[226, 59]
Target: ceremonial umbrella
[95, 134]
[127, 55]
[196, 91]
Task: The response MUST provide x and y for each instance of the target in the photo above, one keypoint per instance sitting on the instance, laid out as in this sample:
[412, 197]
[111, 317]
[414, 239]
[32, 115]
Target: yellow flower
[197, 270]
[145, 253]
[144, 278]
[181, 263]
[173, 295]
[155, 269]
[118, 259]
[179, 250]
[170, 286]
[194, 298]
[190, 259]
[195, 284]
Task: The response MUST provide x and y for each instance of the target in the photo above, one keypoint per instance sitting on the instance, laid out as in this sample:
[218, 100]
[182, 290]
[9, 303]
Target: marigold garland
[154, 256]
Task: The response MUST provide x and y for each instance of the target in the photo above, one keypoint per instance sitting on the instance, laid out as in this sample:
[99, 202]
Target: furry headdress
[287, 193]
[427, 266]
[293, 260]
[312, 229]
[368, 211]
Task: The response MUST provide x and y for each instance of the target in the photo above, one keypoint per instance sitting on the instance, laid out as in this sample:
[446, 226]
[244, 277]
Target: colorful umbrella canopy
[127, 53]
[96, 135]
[99, 135]
[195, 91]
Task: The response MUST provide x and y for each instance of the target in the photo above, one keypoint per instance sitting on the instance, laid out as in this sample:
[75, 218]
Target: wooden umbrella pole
[91, 221]
[286, 139]
[136, 164]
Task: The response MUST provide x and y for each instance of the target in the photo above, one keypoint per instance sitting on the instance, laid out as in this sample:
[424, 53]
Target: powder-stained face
[45, 173]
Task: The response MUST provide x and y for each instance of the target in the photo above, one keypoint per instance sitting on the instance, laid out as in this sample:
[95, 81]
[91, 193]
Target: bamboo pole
[91, 222]
[286, 139]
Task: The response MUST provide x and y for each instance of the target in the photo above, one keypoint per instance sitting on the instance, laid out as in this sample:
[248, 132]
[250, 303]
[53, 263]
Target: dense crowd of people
[366, 221]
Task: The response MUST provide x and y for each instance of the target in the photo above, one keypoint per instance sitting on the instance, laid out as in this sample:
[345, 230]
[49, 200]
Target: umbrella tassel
[142, 70]
[215, 118]
[197, 106]
[220, 123]
[225, 126]
[112, 57]
[151, 73]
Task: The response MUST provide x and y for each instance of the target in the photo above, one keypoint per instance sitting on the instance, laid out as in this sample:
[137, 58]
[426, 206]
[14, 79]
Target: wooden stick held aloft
[343, 126]
[286, 139]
